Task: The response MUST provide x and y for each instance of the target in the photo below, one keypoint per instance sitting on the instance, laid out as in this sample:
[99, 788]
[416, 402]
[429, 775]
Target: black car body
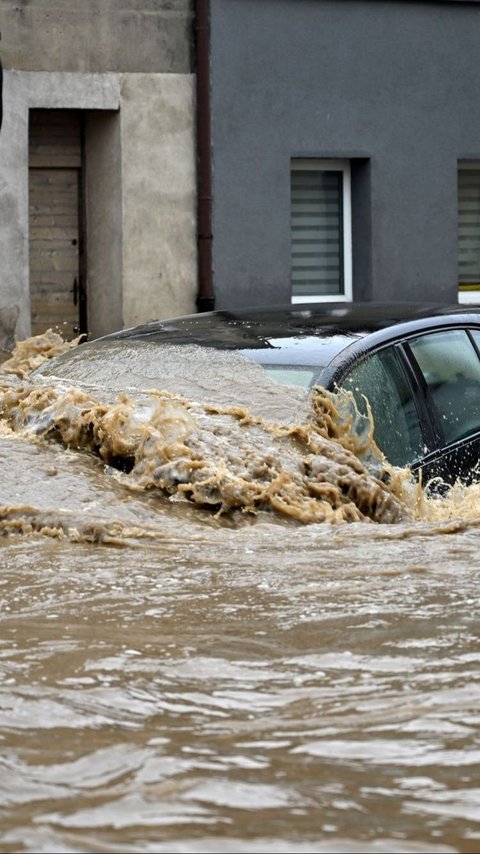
[418, 366]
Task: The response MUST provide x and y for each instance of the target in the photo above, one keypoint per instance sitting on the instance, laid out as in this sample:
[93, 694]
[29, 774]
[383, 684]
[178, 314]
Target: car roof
[302, 334]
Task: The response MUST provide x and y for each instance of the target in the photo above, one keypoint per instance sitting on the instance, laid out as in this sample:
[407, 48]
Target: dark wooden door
[57, 287]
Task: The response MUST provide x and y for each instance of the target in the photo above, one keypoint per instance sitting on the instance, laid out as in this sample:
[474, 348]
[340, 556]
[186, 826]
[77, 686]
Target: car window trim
[476, 346]
[434, 437]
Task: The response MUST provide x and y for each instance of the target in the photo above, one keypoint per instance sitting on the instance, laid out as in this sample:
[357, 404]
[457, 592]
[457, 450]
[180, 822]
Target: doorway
[57, 222]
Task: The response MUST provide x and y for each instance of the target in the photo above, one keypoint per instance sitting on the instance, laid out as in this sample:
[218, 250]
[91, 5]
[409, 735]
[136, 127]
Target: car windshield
[268, 367]
[196, 373]
[298, 359]
[288, 375]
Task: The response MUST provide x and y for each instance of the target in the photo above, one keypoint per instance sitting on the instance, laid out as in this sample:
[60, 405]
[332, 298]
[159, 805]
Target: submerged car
[417, 365]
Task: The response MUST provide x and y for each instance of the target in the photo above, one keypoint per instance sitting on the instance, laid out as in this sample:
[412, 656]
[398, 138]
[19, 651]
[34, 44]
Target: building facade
[163, 156]
[97, 165]
[346, 150]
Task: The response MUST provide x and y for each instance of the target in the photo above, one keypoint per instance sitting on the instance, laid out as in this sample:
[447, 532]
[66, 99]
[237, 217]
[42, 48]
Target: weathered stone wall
[126, 64]
[96, 35]
[158, 187]
[24, 91]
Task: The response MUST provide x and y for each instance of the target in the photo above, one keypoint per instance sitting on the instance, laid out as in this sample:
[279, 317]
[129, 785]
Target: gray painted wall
[393, 85]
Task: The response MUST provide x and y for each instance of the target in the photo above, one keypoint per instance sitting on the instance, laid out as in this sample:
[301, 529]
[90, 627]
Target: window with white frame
[469, 231]
[321, 230]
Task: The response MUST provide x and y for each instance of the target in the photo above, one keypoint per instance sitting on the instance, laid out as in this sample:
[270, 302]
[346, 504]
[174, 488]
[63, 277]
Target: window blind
[469, 226]
[317, 232]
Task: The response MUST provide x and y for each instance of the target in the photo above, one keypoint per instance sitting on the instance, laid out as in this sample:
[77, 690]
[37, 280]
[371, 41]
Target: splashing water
[224, 458]
[33, 352]
[325, 468]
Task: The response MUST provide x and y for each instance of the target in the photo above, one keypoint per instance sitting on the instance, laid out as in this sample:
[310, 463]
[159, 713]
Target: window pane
[469, 226]
[317, 232]
[382, 380]
[451, 368]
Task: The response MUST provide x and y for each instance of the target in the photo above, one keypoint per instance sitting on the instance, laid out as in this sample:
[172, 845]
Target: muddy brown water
[195, 658]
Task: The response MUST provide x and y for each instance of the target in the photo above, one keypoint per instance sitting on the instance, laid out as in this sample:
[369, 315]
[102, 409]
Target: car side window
[382, 380]
[451, 367]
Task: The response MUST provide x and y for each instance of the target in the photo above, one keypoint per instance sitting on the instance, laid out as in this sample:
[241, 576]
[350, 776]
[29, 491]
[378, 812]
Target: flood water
[186, 668]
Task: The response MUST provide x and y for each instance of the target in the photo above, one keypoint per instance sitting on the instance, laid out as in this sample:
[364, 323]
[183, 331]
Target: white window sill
[331, 298]
[468, 296]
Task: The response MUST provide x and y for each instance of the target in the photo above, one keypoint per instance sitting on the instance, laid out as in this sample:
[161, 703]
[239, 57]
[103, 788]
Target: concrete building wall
[158, 186]
[391, 86]
[104, 215]
[96, 35]
[24, 91]
[126, 65]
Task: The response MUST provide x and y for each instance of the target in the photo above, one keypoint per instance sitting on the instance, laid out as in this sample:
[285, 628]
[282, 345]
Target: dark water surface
[173, 680]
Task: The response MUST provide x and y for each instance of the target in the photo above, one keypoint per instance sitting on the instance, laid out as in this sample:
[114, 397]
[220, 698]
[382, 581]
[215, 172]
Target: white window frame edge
[337, 166]
[466, 297]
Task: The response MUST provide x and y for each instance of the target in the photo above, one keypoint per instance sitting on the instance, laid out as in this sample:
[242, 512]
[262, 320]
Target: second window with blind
[469, 231]
[321, 231]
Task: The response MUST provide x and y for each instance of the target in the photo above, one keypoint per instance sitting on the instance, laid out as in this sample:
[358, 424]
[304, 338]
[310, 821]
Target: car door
[447, 365]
